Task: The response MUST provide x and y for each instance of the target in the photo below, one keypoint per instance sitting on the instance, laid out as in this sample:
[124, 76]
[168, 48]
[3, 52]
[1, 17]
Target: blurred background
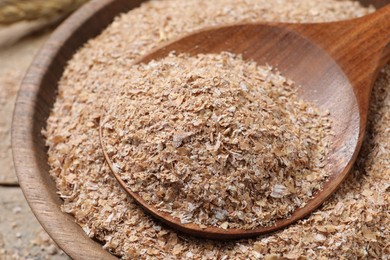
[19, 18]
[24, 27]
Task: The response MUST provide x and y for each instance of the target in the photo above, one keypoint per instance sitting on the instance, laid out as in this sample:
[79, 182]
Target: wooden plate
[35, 100]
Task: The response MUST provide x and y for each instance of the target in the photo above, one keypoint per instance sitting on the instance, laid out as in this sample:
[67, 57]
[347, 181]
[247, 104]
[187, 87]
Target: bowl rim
[37, 185]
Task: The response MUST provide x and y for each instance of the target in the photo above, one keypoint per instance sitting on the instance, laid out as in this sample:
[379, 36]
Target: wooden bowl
[35, 100]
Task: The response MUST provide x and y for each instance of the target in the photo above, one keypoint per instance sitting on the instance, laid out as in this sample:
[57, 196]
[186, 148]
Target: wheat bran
[215, 140]
[352, 224]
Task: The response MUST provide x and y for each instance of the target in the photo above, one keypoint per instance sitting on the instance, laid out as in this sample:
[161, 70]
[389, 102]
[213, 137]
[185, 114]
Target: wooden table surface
[21, 236]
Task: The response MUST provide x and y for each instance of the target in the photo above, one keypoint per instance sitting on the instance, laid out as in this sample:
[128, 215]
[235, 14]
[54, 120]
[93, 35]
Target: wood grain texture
[38, 93]
[376, 3]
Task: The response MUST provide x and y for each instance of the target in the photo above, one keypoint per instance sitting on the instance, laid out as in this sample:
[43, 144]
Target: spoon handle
[360, 47]
[374, 30]
[369, 51]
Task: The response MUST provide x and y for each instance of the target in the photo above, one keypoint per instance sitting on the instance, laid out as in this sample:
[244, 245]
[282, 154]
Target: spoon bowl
[335, 65]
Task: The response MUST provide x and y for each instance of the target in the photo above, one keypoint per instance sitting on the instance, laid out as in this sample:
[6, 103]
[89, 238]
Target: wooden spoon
[334, 63]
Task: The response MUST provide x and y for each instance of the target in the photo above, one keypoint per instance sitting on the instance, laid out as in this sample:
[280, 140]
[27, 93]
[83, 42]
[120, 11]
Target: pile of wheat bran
[215, 140]
[352, 224]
